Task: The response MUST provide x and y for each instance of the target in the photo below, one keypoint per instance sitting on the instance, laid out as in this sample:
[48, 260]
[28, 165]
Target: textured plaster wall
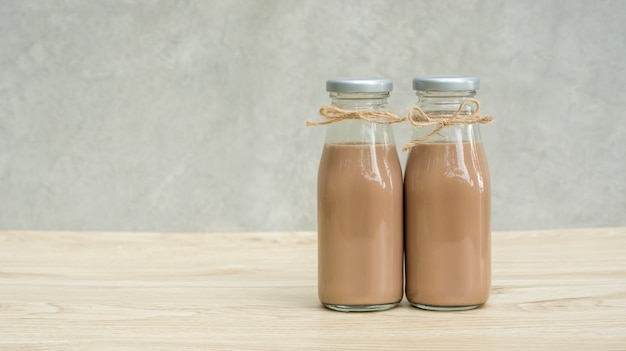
[189, 115]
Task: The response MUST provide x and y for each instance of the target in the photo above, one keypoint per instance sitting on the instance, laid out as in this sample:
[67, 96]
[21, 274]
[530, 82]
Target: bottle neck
[357, 130]
[444, 101]
[361, 101]
[447, 103]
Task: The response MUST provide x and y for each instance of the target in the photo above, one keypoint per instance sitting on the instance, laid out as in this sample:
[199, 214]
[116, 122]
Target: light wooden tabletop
[558, 289]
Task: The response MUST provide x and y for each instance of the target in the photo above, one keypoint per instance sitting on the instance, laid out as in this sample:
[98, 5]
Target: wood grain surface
[556, 289]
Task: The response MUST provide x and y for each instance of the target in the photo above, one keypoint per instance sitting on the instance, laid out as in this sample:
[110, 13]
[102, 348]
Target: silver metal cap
[359, 85]
[446, 83]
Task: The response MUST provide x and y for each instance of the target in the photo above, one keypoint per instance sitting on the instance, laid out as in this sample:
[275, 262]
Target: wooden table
[557, 289]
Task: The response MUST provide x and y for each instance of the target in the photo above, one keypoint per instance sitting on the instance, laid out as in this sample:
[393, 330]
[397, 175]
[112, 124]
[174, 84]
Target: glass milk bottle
[359, 200]
[447, 198]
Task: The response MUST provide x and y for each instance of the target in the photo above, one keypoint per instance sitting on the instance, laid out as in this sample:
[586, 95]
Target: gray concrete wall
[189, 115]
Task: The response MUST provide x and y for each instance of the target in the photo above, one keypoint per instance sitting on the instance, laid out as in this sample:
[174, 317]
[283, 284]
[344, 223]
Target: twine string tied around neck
[334, 114]
[418, 118]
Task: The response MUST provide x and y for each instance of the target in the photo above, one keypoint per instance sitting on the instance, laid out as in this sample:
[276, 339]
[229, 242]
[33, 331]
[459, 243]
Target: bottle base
[444, 308]
[360, 308]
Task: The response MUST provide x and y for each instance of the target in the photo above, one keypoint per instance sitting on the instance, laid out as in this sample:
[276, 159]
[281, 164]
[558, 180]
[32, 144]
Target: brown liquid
[448, 225]
[360, 234]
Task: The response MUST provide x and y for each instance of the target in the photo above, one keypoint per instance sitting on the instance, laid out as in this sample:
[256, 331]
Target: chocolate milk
[448, 226]
[360, 225]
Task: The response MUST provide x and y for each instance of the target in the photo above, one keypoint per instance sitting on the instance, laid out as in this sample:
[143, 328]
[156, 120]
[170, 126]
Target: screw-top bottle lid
[446, 83]
[359, 85]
